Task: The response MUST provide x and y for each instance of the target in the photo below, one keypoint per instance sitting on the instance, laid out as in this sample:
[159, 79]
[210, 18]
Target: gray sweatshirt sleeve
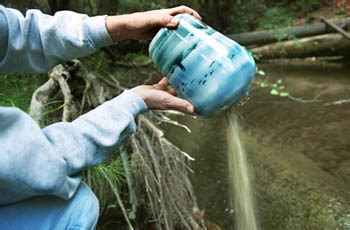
[47, 161]
[38, 42]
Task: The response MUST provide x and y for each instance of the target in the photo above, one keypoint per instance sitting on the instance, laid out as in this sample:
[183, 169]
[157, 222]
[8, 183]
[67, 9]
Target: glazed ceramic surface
[205, 67]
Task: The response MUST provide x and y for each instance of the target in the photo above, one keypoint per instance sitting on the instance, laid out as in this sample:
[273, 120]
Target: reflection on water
[207, 144]
[300, 152]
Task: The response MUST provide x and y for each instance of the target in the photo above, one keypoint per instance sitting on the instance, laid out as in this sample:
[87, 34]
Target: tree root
[40, 99]
[156, 171]
[165, 179]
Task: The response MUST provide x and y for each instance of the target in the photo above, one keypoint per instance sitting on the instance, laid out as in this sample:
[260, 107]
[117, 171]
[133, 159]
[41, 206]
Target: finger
[157, 20]
[174, 22]
[179, 104]
[164, 19]
[167, 20]
[184, 9]
[162, 84]
[171, 91]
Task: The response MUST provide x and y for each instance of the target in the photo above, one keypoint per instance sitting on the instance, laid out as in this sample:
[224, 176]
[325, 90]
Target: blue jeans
[48, 212]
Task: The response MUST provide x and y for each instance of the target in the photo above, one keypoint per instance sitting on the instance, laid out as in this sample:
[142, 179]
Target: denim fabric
[52, 213]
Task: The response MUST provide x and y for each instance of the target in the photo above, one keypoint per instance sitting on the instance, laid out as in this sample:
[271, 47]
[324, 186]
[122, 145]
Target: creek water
[299, 152]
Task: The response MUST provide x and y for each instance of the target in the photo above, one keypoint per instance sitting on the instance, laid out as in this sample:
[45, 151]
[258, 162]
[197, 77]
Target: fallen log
[336, 28]
[269, 36]
[316, 46]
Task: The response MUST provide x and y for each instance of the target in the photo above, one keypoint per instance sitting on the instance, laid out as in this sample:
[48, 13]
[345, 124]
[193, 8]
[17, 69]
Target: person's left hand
[160, 97]
[143, 25]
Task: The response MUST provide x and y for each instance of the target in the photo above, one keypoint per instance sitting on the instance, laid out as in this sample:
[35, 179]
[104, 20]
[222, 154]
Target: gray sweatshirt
[35, 161]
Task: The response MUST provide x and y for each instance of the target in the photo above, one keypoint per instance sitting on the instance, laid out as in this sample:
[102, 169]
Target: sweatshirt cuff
[132, 102]
[99, 35]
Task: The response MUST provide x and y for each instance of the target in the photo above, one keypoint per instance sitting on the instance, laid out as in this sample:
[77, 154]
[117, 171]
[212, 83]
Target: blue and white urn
[204, 67]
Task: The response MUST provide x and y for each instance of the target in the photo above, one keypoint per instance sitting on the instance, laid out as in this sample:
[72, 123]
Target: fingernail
[190, 108]
[174, 21]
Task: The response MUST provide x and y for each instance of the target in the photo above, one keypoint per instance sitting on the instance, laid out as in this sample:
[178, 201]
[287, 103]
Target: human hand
[160, 97]
[143, 25]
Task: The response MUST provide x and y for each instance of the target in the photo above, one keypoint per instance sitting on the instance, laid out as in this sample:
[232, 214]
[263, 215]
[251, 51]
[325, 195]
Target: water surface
[299, 152]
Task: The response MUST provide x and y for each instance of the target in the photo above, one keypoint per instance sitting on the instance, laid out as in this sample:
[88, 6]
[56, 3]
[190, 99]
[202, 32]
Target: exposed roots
[156, 171]
[161, 171]
[61, 76]
[40, 100]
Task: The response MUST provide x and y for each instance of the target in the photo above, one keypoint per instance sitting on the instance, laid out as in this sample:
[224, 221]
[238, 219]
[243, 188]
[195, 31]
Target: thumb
[162, 84]
[179, 104]
[167, 21]
[173, 23]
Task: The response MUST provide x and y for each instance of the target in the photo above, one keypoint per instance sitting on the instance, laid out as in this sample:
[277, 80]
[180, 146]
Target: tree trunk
[322, 45]
[269, 36]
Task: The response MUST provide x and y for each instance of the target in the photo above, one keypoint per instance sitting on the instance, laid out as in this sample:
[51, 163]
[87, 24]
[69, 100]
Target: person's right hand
[160, 97]
[143, 25]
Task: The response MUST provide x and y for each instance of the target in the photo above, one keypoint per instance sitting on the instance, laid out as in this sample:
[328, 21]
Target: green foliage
[135, 57]
[310, 17]
[105, 179]
[277, 88]
[305, 6]
[52, 107]
[342, 11]
[226, 16]
[277, 14]
[96, 62]
[129, 6]
[276, 17]
[16, 89]
[245, 16]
